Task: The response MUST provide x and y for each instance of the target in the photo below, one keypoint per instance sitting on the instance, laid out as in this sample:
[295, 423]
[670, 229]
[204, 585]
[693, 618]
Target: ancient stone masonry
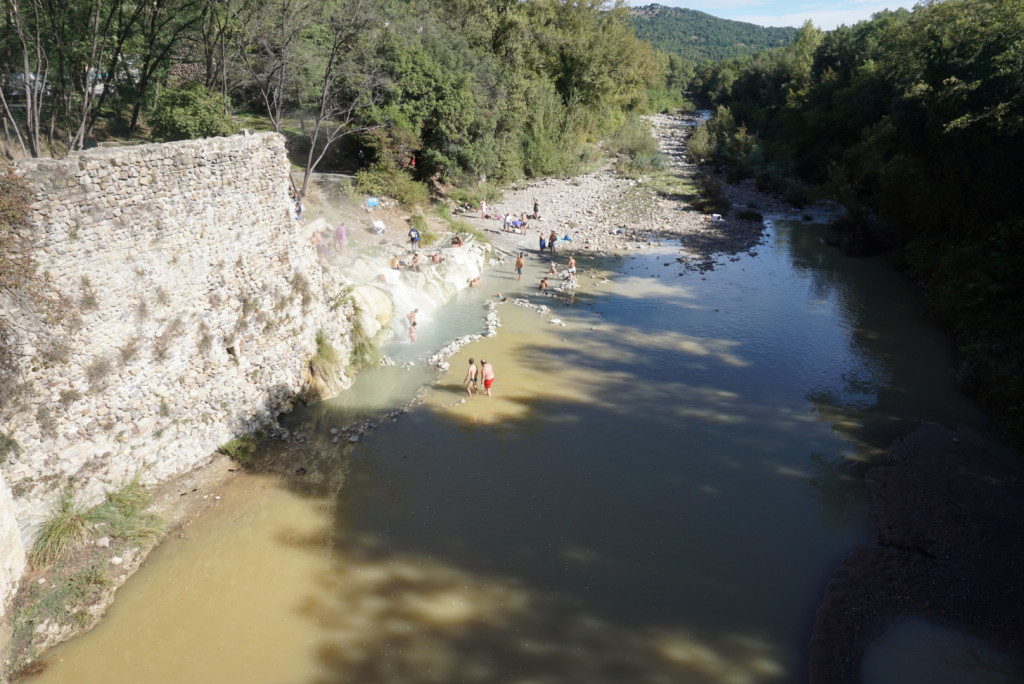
[199, 303]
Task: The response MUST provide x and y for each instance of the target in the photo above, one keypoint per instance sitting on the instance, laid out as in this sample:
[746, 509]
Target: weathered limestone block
[375, 309]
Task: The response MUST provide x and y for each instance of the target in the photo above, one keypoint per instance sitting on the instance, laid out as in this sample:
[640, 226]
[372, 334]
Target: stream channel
[658, 491]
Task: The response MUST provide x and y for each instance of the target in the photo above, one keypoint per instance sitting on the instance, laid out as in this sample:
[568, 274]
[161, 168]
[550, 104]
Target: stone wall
[12, 549]
[199, 303]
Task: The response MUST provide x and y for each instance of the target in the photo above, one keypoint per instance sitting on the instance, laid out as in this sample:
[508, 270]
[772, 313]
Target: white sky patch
[826, 15]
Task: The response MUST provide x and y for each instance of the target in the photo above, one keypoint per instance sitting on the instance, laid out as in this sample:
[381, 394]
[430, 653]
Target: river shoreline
[949, 511]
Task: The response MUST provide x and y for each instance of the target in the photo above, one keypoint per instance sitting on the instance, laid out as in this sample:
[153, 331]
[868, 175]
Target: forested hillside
[471, 89]
[914, 122]
[701, 37]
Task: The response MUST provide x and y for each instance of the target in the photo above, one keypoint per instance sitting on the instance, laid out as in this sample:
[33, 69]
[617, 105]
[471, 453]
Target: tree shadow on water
[393, 617]
[415, 598]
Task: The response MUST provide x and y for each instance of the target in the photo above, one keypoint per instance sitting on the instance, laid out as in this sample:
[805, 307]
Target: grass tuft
[67, 529]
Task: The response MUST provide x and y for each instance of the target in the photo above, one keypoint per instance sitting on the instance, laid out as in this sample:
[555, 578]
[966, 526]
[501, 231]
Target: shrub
[97, 372]
[384, 180]
[302, 289]
[364, 353]
[325, 368]
[88, 301]
[124, 515]
[66, 529]
[427, 236]
[550, 136]
[645, 163]
[130, 350]
[69, 396]
[168, 336]
[190, 112]
[712, 195]
[701, 144]
[46, 421]
[242, 449]
[633, 138]
[8, 447]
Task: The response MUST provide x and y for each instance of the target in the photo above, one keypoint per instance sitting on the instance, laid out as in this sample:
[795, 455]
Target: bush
[701, 144]
[241, 449]
[364, 353]
[384, 180]
[713, 197]
[8, 447]
[190, 112]
[427, 236]
[550, 140]
[324, 368]
[633, 138]
[124, 515]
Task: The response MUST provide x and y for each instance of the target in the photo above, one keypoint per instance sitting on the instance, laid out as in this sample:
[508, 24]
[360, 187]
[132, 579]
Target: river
[658, 491]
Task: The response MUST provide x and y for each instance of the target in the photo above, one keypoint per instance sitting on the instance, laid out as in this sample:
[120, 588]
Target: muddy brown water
[658, 491]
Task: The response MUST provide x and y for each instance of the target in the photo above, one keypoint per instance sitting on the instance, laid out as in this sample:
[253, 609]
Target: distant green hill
[701, 37]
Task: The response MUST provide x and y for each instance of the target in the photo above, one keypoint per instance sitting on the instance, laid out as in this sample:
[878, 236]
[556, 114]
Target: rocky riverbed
[606, 213]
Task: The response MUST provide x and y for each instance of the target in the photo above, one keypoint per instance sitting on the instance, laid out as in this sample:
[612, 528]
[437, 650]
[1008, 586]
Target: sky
[826, 14]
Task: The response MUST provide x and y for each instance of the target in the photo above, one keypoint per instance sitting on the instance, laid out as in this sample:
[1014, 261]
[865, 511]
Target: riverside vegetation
[78, 558]
[914, 122]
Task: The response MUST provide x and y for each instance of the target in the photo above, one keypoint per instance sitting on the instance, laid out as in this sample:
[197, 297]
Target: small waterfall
[407, 290]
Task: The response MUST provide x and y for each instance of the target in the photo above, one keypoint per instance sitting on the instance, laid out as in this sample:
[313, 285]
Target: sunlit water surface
[657, 491]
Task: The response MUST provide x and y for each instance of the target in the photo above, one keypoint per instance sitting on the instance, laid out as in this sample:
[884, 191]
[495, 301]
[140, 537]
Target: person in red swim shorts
[487, 372]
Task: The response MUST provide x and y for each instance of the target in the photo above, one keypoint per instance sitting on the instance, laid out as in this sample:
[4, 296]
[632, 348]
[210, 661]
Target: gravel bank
[606, 213]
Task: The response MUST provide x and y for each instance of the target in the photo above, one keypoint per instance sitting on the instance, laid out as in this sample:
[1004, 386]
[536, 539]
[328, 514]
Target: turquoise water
[658, 491]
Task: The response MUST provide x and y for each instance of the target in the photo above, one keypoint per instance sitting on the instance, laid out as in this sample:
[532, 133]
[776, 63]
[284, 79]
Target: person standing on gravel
[551, 242]
[536, 210]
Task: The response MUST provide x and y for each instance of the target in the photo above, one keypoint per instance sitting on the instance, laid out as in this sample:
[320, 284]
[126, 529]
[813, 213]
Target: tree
[163, 26]
[347, 72]
[25, 17]
[271, 39]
